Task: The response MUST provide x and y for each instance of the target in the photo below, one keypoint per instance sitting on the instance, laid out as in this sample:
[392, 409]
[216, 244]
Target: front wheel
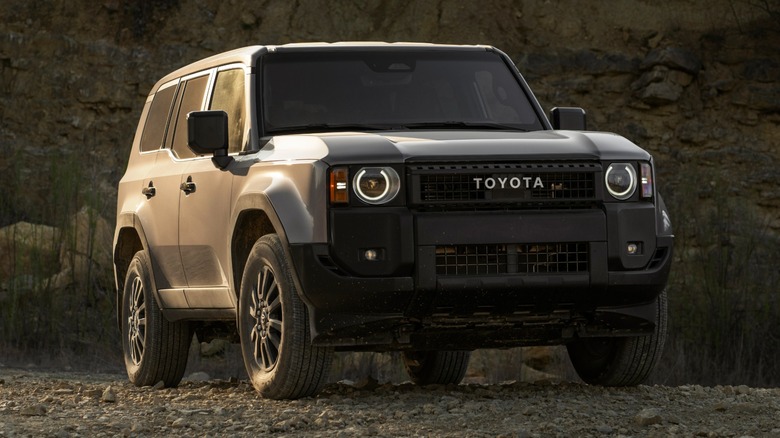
[436, 367]
[274, 328]
[620, 361]
[154, 349]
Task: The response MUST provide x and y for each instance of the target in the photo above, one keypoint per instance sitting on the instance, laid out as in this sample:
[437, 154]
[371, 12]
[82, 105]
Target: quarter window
[156, 121]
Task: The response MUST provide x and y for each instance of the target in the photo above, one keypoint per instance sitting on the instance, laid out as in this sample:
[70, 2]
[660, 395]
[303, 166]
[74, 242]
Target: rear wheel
[620, 361]
[154, 349]
[274, 328]
[436, 367]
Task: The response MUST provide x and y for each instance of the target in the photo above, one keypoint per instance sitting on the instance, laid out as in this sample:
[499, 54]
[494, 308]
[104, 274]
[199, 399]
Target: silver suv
[307, 198]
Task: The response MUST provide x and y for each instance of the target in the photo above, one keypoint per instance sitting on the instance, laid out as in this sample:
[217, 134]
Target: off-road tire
[155, 349]
[274, 328]
[436, 367]
[624, 361]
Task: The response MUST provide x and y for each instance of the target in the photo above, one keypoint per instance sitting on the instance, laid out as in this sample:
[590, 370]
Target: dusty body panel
[437, 266]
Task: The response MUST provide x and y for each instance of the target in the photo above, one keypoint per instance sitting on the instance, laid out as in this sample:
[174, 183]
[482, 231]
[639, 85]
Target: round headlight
[620, 180]
[376, 185]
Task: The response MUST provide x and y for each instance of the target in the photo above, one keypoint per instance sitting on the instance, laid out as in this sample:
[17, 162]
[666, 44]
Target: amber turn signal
[339, 190]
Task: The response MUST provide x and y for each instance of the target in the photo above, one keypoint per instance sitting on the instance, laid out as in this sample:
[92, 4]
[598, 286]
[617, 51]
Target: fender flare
[262, 202]
[129, 220]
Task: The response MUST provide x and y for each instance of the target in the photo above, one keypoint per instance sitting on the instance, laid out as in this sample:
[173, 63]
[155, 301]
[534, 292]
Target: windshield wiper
[461, 124]
[320, 127]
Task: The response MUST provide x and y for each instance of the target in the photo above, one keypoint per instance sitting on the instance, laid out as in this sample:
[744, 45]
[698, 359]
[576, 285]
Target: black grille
[449, 187]
[503, 183]
[523, 258]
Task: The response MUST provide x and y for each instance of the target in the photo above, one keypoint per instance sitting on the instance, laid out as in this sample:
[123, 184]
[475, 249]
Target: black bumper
[407, 298]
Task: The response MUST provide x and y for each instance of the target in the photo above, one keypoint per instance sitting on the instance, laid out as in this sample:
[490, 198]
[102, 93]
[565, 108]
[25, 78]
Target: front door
[204, 215]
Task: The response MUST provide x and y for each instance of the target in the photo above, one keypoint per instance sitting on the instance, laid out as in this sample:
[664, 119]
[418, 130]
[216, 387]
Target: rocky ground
[695, 84]
[36, 403]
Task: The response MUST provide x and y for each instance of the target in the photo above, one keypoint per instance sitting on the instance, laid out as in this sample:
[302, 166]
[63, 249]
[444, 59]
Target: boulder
[539, 358]
[86, 252]
[673, 57]
[661, 93]
[661, 85]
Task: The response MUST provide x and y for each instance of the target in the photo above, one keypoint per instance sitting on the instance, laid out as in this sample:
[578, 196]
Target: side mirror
[572, 119]
[207, 133]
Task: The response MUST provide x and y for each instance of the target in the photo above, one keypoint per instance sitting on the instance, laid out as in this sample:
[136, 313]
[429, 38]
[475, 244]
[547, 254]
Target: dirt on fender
[70, 404]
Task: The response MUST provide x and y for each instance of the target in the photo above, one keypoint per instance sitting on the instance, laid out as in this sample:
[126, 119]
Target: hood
[462, 146]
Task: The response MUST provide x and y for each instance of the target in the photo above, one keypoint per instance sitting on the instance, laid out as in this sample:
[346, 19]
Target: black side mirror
[572, 119]
[207, 133]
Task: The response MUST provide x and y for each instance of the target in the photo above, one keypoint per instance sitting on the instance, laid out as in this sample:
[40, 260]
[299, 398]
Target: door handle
[188, 186]
[150, 191]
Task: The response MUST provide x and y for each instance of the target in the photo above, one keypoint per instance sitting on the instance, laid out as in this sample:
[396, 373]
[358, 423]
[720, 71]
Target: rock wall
[693, 81]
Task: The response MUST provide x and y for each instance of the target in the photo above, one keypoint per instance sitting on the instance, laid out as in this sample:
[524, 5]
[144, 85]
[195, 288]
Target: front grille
[449, 187]
[440, 185]
[522, 259]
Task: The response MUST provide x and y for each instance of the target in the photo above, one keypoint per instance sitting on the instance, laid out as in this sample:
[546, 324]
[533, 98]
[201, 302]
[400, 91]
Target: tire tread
[166, 344]
[438, 367]
[302, 368]
[632, 359]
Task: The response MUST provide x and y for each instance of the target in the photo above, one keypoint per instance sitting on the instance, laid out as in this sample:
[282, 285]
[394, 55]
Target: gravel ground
[69, 404]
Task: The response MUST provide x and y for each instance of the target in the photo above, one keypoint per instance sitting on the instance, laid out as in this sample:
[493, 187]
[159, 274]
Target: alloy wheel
[266, 313]
[136, 321]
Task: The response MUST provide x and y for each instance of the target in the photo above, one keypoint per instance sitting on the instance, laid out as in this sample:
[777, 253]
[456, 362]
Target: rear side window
[229, 97]
[154, 128]
[192, 99]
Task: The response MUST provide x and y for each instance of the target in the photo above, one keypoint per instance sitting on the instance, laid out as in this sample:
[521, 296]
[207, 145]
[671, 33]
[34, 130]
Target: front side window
[392, 90]
[229, 96]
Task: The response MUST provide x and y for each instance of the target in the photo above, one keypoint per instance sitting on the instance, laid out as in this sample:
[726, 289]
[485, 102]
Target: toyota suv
[310, 198]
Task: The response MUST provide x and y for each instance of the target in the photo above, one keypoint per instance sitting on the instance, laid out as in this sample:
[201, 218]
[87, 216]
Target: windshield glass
[305, 91]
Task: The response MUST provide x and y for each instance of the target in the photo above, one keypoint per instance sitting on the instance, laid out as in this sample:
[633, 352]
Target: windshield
[392, 90]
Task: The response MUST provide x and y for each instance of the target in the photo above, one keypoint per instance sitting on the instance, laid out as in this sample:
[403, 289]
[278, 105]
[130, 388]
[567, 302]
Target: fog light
[633, 248]
[371, 255]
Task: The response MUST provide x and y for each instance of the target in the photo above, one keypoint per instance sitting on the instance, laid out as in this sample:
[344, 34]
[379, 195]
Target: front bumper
[409, 299]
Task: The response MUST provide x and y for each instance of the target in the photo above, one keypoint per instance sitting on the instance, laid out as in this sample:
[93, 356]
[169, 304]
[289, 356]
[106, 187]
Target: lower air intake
[521, 259]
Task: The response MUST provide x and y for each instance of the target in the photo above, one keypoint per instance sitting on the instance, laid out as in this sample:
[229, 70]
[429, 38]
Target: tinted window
[229, 97]
[156, 121]
[192, 99]
[392, 89]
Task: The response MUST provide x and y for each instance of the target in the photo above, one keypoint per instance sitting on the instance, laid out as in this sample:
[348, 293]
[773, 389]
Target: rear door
[162, 224]
[160, 189]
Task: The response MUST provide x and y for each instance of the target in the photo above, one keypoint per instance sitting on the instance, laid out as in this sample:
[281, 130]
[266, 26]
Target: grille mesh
[449, 188]
[497, 183]
[524, 259]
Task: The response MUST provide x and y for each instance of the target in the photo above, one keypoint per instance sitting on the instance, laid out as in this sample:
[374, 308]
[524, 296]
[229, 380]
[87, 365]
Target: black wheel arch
[254, 216]
[129, 238]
